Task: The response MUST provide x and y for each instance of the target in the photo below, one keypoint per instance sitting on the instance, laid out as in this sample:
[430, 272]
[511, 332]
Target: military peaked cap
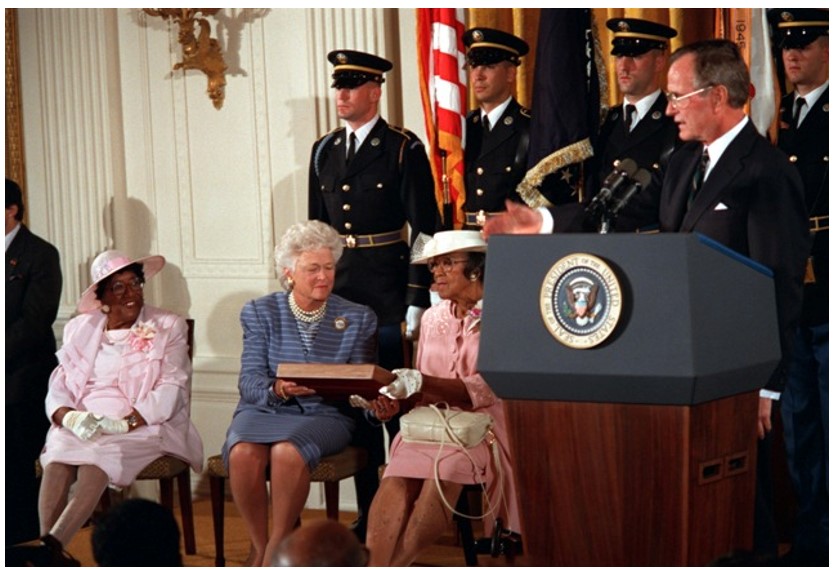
[797, 27]
[488, 46]
[354, 68]
[635, 37]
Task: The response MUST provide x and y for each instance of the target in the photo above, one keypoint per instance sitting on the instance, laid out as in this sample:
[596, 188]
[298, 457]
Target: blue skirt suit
[346, 334]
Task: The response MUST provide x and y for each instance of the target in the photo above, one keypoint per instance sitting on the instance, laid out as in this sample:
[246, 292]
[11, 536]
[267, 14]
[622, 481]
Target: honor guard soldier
[638, 128]
[801, 34]
[367, 180]
[497, 133]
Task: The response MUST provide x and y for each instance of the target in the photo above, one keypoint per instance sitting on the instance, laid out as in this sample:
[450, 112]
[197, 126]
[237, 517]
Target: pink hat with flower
[106, 264]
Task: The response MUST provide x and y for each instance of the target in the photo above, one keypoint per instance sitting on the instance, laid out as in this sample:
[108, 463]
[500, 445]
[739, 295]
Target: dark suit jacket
[751, 202]
[495, 164]
[650, 143]
[808, 149]
[33, 291]
[388, 183]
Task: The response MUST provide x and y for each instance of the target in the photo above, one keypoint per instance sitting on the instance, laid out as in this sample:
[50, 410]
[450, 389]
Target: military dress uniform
[649, 144]
[496, 161]
[655, 136]
[496, 158]
[368, 201]
[804, 402]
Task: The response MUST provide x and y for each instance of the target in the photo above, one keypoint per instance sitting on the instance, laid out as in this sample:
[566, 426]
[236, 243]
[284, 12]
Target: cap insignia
[477, 35]
[623, 26]
[341, 58]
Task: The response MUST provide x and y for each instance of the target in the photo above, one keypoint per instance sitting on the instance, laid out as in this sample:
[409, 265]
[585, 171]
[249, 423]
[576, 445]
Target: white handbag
[433, 424]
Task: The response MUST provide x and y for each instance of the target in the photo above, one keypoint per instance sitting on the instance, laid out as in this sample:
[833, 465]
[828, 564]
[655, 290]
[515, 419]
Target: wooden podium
[641, 450]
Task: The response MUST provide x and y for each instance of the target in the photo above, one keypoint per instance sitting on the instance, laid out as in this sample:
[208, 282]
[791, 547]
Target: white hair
[301, 237]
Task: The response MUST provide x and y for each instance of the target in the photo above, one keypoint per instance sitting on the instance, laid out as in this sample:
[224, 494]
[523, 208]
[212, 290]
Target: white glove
[113, 426]
[359, 402]
[83, 424]
[412, 322]
[407, 382]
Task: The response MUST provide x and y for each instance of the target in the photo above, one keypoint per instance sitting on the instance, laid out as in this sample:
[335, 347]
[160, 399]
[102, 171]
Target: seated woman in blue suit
[279, 424]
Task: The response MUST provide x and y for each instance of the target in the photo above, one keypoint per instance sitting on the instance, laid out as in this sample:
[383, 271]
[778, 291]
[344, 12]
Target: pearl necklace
[304, 316]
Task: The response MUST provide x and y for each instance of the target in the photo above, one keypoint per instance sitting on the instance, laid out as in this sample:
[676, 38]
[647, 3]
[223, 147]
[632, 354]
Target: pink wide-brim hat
[106, 264]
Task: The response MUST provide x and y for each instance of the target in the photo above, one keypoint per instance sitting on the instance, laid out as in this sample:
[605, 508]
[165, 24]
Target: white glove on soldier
[83, 424]
[113, 426]
[407, 382]
[412, 322]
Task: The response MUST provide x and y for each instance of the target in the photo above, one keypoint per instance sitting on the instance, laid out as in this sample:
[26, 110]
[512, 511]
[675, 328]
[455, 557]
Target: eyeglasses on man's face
[681, 101]
[119, 288]
[444, 263]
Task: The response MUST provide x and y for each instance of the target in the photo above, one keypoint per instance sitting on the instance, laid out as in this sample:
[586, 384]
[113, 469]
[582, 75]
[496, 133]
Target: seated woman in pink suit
[118, 399]
[407, 514]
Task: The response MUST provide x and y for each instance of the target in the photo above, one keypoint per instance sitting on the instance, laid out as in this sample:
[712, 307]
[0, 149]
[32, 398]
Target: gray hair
[719, 62]
[301, 237]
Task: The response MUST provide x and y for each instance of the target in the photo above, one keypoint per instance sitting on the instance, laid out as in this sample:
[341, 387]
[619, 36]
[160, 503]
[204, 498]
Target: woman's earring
[105, 309]
[473, 277]
[289, 282]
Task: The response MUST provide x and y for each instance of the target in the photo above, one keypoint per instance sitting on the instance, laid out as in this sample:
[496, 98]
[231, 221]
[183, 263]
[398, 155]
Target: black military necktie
[699, 176]
[485, 122]
[796, 112]
[628, 111]
[351, 151]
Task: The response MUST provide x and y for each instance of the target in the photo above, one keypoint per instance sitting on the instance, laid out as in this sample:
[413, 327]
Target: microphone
[640, 181]
[622, 172]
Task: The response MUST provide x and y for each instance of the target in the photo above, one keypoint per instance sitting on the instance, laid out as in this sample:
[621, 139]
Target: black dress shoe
[48, 552]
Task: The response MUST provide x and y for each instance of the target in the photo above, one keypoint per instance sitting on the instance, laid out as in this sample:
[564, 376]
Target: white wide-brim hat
[106, 264]
[445, 242]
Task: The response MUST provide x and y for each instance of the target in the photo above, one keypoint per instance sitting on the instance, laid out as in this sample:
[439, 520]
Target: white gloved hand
[113, 426]
[83, 424]
[407, 383]
[412, 322]
[359, 402]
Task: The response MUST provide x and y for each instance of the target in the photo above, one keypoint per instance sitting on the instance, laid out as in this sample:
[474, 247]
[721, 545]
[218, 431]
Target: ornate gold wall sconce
[203, 52]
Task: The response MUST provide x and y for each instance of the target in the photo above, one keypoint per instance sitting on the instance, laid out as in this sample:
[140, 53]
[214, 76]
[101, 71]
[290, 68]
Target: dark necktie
[699, 176]
[796, 112]
[485, 122]
[628, 111]
[351, 151]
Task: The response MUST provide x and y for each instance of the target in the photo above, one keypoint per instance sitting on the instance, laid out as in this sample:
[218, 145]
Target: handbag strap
[490, 439]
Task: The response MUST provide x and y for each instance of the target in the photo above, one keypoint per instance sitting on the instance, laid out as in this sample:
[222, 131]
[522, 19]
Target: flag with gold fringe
[443, 88]
[568, 99]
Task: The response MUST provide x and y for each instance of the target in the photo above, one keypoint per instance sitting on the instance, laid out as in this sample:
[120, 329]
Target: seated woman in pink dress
[118, 399]
[408, 514]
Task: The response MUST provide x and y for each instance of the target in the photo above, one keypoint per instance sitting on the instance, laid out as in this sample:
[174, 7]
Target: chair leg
[331, 491]
[166, 493]
[464, 527]
[187, 520]
[217, 500]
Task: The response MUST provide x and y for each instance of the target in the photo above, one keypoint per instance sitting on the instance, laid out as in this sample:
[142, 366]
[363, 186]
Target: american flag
[443, 87]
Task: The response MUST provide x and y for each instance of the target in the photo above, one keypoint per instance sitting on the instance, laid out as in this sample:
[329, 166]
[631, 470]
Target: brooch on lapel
[142, 336]
[340, 323]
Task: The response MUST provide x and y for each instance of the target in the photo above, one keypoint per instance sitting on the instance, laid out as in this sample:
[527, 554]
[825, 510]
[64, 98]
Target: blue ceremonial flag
[568, 98]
